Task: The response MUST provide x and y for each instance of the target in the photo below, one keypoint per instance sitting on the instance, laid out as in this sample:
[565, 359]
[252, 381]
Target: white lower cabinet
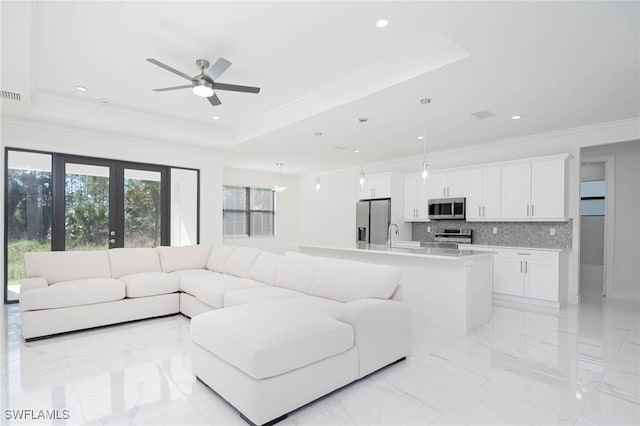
[527, 273]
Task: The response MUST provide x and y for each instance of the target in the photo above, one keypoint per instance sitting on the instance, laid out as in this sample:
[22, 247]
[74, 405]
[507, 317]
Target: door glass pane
[184, 207]
[86, 207]
[141, 208]
[28, 212]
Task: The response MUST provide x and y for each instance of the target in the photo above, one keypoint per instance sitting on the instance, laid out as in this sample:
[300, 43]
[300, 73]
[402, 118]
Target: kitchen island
[445, 288]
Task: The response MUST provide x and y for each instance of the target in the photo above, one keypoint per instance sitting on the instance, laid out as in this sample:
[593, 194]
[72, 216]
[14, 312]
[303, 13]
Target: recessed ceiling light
[215, 117]
[81, 88]
[382, 23]
[516, 117]
[357, 151]
[420, 137]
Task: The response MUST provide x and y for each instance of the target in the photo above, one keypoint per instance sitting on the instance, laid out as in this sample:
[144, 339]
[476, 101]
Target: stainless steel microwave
[447, 208]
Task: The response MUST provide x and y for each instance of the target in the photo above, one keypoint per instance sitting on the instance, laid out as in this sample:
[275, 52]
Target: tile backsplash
[512, 234]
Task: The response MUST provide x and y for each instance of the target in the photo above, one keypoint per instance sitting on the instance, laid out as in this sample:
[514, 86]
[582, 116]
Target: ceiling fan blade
[214, 100]
[217, 69]
[165, 89]
[236, 88]
[170, 69]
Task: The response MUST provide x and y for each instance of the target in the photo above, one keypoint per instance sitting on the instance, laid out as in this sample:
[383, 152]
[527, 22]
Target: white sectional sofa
[270, 333]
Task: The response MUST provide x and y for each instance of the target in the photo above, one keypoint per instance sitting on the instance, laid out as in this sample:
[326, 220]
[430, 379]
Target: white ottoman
[270, 358]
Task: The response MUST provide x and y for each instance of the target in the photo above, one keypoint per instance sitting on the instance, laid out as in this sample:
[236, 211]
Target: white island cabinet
[450, 289]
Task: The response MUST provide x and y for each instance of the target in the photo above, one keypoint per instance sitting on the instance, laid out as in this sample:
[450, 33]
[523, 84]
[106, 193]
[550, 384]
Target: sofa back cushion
[218, 257]
[127, 261]
[57, 266]
[297, 271]
[265, 267]
[347, 280]
[183, 257]
[240, 261]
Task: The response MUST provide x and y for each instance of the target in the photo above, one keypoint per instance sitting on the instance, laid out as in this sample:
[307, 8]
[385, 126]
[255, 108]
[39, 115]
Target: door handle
[479, 210]
[521, 266]
[531, 209]
[483, 211]
[527, 210]
[526, 267]
[112, 233]
[112, 241]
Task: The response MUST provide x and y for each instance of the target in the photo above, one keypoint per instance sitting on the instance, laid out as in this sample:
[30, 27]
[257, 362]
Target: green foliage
[15, 255]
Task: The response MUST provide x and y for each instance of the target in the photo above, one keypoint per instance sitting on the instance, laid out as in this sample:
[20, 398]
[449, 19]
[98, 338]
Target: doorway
[108, 204]
[596, 227]
[64, 202]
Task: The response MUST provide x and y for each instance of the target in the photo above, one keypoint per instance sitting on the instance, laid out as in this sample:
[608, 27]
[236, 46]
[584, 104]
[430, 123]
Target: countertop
[423, 252]
[471, 247]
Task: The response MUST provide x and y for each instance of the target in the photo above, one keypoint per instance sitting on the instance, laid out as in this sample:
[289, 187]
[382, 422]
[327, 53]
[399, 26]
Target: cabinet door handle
[531, 209]
[483, 211]
[521, 266]
[527, 210]
[526, 268]
[479, 214]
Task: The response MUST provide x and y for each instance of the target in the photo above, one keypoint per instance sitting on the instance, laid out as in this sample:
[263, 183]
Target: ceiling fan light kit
[204, 84]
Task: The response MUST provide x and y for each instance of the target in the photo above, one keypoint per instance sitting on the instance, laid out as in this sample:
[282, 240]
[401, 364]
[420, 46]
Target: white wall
[626, 257]
[286, 209]
[64, 139]
[330, 218]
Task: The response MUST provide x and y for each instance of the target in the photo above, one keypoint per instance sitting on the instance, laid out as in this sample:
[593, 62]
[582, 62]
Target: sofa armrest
[32, 283]
[382, 331]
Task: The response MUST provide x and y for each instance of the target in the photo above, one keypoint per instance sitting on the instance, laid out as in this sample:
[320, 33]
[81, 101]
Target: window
[248, 211]
[592, 198]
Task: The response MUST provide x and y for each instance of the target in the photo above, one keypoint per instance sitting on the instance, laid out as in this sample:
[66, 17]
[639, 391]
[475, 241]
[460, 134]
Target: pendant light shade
[425, 166]
[279, 187]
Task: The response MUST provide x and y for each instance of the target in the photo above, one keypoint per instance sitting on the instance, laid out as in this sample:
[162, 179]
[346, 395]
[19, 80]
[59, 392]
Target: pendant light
[318, 182]
[425, 166]
[279, 187]
[361, 181]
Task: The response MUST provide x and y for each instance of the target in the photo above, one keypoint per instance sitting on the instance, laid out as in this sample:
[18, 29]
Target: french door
[102, 204]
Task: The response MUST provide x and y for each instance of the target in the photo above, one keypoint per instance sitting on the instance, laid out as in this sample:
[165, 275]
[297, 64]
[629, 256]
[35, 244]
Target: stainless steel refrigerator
[372, 221]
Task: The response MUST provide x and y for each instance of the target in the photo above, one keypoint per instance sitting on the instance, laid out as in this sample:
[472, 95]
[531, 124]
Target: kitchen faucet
[389, 233]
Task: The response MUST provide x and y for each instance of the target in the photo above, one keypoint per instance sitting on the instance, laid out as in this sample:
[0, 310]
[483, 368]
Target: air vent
[483, 114]
[10, 95]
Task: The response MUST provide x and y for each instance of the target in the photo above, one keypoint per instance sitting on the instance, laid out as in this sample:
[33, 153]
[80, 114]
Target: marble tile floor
[579, 365]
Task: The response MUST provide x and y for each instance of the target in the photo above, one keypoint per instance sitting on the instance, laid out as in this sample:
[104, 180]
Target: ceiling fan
[205, 83]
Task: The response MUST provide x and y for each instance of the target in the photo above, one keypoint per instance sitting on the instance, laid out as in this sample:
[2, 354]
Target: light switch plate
[495, 229]
[552, 231]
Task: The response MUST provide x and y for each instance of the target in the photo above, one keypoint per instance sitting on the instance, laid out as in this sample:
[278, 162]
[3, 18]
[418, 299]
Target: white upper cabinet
[376, 186]
[452, 184]
[415, 198]
[534, 190]
[516, 191]
[548, 189]
[483, 193]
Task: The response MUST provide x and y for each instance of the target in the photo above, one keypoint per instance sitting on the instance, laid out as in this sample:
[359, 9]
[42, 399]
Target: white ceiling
[321, 66]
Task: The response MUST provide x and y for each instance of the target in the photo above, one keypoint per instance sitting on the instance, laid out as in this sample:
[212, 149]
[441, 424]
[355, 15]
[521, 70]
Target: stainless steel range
[450, 238]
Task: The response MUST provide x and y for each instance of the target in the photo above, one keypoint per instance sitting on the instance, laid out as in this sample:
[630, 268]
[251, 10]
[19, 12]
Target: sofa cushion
[183, 257]
[57, 266]
[258, 294]
[203, 272]
[211, 292]
[73, 293]
[265, 267]
[218, 257]
[240, 261]
[262, 340]
[150, 284]
[347, 280]
[128, 261]
[297, 271]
